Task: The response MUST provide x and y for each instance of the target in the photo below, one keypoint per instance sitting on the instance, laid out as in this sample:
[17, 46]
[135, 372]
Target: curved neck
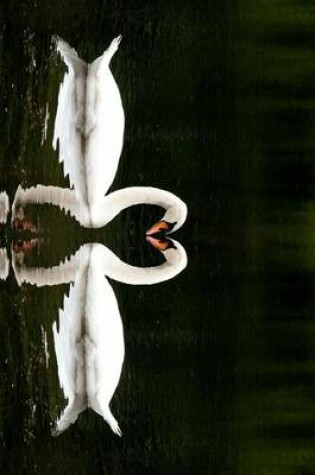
[118, 270]
[96, 215]
[105, 261]
[115, 202]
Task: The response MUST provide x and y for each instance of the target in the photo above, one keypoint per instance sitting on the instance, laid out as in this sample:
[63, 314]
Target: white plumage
[89, 123]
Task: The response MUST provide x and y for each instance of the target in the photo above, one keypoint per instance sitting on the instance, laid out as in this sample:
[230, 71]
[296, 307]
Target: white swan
[90, 344]
[89, 126]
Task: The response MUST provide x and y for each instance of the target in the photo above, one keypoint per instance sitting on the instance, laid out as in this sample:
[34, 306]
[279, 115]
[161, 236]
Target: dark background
[219, 99]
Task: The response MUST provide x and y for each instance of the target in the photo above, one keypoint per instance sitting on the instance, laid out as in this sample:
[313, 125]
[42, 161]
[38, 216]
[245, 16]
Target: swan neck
[120, 271]
[119, 200]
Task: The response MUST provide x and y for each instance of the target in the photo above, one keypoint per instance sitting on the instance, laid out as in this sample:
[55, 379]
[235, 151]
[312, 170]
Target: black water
[219, 371]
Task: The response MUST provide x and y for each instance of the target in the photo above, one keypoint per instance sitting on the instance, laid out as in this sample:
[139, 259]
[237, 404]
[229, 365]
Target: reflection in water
[174, 254]
[228, 119]
[89, 344]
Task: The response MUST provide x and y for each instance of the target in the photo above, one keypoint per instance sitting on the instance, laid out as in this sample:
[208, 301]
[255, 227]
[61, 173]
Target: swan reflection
[89, 343]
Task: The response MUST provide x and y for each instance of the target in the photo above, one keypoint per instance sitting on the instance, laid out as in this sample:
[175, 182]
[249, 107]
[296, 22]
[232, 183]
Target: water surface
[219, 370]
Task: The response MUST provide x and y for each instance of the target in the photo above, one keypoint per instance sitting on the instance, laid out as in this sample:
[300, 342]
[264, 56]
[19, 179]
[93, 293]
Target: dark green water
[219, 376]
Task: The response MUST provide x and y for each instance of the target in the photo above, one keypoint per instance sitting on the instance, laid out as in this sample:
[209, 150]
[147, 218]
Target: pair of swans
[89, 129]
[89, 344]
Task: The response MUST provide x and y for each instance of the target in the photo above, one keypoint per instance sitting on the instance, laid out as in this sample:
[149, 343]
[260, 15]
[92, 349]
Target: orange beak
[160, 226]
[159, 244]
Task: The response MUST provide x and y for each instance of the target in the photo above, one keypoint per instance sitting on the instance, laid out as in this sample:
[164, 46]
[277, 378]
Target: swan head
[172, 220]
[173, 251]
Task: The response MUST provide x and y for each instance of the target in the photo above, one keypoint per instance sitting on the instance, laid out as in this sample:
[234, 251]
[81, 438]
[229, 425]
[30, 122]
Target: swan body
[89, 124]
[89, 344]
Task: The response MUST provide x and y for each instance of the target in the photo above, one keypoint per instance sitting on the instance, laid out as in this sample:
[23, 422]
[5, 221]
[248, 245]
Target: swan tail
[105, 59]
[113, 47]
[70, 414]
[70, 57]
[107, 416]
[113, 424]
[116, 429]
[103, 409]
